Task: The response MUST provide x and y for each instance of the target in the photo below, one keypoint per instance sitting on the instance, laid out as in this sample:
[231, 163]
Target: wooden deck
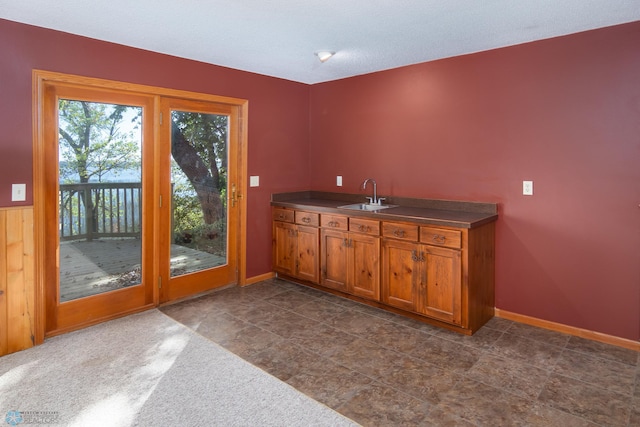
[92, 267]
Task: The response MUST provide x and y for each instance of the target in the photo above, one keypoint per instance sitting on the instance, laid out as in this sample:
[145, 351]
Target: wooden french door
[137, 198]
[200, 197]
[98, 189]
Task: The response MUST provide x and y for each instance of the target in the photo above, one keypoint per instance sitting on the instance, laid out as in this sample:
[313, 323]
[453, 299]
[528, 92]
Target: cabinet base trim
[411, 315]
[571, 330]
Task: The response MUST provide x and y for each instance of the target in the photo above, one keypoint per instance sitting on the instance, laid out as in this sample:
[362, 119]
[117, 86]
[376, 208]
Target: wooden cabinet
[295, 244]
[422, 278]
[440, 291]
[400, 274]
[350, 251]
[440, 274]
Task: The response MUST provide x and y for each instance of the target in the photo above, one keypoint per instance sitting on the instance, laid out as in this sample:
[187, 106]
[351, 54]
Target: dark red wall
[563, 112]
[278, 113]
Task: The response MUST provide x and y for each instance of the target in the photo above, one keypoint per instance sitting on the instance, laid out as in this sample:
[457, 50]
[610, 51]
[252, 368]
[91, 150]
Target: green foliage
[95, 140]
[98, 142]
[187, 214]
[207, 134]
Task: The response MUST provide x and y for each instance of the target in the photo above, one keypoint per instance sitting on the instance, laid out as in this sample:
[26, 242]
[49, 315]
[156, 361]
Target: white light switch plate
[339, 180]
[18, 192]
[254, 181]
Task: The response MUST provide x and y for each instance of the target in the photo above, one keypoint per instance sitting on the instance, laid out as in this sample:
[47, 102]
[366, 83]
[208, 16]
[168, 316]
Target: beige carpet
[147, 370]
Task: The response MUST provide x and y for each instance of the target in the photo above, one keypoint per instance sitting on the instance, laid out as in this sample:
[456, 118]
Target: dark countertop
[424, 211]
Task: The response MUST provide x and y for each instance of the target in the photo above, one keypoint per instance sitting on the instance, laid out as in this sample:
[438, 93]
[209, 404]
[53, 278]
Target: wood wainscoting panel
[17, 293]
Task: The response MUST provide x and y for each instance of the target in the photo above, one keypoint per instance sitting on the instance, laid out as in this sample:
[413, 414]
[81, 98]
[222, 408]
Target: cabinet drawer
[441, 237]
[335, 222]
[284, 215]
[400, 231]
[307, 218]
[366, 226]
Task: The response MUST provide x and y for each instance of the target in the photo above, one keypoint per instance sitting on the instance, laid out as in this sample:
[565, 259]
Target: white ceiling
[279, 37]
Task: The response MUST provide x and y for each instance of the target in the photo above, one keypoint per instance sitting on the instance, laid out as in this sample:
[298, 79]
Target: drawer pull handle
[333, 224]
[306, 220]
[398, 233]
[364, 228]
[437, 238]
[281, 216]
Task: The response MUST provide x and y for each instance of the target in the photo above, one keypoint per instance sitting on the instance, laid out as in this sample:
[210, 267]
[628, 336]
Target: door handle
[234, 195]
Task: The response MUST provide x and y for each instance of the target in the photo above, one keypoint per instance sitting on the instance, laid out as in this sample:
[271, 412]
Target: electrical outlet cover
[18, 192]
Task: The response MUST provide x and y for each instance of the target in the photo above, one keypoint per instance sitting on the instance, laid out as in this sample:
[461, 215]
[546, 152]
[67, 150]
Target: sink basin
[366, 207]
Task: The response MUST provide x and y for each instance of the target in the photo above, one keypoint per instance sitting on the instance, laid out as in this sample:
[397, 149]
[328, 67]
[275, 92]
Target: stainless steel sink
[366, 207]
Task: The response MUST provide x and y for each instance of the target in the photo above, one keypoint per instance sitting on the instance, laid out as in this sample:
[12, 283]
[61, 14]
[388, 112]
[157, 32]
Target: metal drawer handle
[306, 220]
[398, 233]
[437, 238]
[281, 216]
[333, 224]
[364, 228]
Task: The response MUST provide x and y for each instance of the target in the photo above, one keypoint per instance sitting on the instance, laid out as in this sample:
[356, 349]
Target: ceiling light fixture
[324, 55]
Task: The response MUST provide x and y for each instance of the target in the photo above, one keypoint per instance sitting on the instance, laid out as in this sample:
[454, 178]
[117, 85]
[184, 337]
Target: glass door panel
[198, 191]
[100, 197]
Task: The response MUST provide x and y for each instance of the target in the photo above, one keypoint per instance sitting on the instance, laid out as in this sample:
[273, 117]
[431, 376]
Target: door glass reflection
[199, 191]
[100, 197]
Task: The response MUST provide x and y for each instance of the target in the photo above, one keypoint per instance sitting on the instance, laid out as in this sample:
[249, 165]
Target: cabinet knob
[398, 233]
[438, 238]
[306, 220]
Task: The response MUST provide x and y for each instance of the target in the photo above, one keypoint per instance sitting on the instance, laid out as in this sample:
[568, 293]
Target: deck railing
[94, 210]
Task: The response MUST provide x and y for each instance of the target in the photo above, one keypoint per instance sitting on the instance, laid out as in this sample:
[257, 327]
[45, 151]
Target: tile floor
[381, 369]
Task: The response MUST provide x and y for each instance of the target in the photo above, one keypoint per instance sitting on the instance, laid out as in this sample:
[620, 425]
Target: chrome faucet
[372, 200]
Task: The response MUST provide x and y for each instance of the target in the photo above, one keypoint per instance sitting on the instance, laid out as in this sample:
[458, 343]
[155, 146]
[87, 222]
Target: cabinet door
[284, 248]
[400, 274]
[440, 287]
[307, 265]
[364, 266]
[334, 258]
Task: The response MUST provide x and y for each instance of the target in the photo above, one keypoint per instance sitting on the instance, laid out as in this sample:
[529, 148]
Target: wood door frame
[40, 79]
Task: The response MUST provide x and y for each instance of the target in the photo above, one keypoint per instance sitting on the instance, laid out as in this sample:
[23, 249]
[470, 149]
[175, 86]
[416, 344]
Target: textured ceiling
[279, 37]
